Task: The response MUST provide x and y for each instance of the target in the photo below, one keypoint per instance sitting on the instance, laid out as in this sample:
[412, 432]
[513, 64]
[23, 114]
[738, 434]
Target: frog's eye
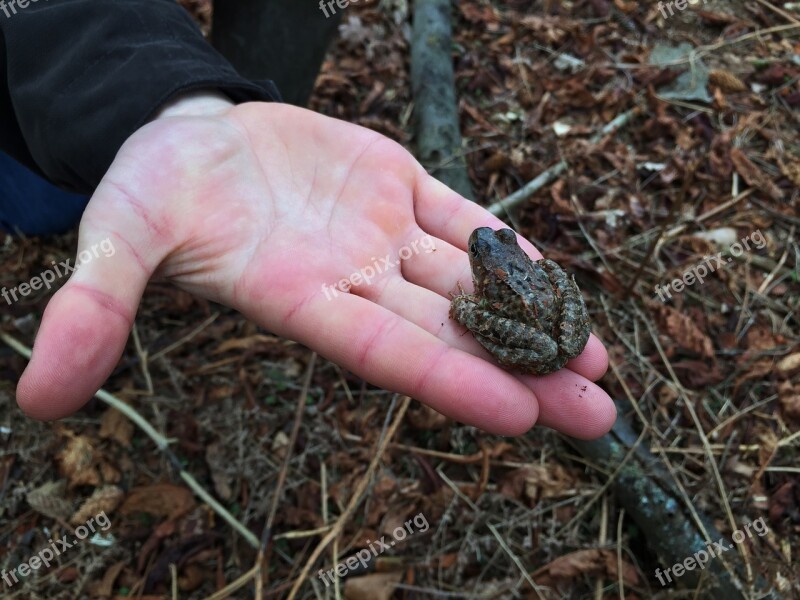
[507, 236]
[473, 248]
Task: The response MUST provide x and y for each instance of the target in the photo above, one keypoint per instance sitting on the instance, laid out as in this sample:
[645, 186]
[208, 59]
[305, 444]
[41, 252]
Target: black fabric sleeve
[78, 77]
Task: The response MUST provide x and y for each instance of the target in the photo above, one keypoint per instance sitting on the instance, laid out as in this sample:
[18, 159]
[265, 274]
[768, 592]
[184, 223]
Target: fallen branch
[521, 195]
[674, 530]
[436, 125]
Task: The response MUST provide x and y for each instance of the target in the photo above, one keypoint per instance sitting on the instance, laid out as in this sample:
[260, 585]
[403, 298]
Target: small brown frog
[529, 315]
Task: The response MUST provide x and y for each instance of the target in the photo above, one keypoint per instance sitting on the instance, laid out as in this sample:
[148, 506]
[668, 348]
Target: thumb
[86, 324]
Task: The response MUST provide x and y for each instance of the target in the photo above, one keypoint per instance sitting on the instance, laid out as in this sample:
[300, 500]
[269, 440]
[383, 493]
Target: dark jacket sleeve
[78, 77]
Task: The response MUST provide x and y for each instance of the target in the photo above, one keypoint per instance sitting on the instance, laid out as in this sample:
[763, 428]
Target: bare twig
[529, 189]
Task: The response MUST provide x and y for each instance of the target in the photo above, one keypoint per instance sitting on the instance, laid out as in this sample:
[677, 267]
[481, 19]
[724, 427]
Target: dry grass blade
[355, 499]
[298, 418]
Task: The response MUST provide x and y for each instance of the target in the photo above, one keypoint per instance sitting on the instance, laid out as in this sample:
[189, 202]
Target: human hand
[263, 207]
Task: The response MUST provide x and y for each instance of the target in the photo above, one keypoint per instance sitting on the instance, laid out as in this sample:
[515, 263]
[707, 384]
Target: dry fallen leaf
[375, 586]
[754, 176]
[116, 426]
[789, 397]
[104, 500]
[726, 81]
[684, 332]
[585, 562]
[788, 364]
[217, 462]
[161, 500]
[48, 500]
[78, 461]
[424, 417]
[537, 482]
[105, 587]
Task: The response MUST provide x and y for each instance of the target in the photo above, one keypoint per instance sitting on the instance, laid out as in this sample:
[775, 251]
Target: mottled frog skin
[529, 315]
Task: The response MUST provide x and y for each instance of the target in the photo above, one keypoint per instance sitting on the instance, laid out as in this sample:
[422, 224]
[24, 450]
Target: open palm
[266, 208]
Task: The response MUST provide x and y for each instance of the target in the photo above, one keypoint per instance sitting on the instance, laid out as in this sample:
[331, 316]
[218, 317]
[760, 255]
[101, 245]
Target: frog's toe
[539, 360]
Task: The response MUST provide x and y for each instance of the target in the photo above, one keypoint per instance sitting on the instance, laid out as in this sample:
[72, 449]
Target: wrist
[196, 103]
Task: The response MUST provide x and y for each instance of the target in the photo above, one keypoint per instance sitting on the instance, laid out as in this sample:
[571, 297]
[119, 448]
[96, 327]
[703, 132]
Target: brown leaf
[698, 374]
[78, 461]
[375, 586]
[105, 587]
[245, 343]
[784, 501]
[216, 461]
[104, 500]
[537, 482]
[684, 331]
[496, 162]
[48, 500]
[424, 417]
[791, 169]
[788, 364]
[192, 577]
[726, 81]
[585, 562]
[789, 397]
[161, 500]
[116, 426]
[754, 176]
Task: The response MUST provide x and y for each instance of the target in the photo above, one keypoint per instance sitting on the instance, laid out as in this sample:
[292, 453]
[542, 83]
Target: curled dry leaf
[726, 81]
[375, 586]
[78, 461]
[105, 587]
[586, 562]
[754, 176]
[788, 364]
[104, 500]
[685, 332]
[791, 168]
[537, 482]
[48, 500]
[424, 417]
[116, 426]
[161, 500]
[217, 463]
[789, 397]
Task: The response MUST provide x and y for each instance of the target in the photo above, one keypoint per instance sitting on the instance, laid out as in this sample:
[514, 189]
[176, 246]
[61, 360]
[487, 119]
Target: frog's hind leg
[527, 360]
[572, 329]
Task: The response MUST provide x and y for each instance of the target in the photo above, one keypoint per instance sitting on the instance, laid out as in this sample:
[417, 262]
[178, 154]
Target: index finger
[449, 216]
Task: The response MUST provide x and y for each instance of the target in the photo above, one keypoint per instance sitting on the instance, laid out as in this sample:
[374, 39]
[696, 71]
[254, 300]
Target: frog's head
[491, 253]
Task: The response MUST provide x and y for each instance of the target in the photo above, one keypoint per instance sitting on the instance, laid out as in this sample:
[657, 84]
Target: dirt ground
[707, 165]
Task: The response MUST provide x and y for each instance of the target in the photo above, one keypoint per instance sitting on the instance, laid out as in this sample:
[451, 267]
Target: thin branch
[529, 189]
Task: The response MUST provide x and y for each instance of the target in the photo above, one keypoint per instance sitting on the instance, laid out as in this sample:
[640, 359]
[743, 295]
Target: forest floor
[707, 166]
